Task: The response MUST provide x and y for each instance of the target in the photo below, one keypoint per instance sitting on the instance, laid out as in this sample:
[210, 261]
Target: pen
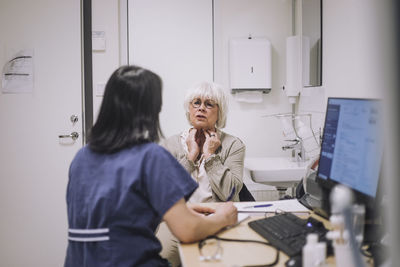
[231, 194]
[258, 206]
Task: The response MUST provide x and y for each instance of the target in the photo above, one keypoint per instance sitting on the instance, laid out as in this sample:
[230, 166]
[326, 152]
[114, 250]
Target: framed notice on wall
[17, 75]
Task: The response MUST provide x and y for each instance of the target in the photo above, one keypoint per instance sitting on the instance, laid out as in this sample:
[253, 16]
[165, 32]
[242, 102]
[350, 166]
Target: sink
[281, 172]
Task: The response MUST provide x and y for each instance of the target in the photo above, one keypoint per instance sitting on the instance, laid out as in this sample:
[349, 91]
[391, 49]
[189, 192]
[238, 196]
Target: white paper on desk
[287, 205]
[242, 217]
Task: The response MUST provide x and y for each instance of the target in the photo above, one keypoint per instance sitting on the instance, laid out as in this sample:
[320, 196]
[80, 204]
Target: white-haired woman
[213, 158]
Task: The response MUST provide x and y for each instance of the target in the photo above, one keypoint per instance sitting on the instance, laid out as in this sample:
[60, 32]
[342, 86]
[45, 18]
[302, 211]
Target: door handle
[73, 135]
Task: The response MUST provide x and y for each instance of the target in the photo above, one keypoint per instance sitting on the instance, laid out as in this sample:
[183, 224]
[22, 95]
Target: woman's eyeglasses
[210, 249]
[209, 104]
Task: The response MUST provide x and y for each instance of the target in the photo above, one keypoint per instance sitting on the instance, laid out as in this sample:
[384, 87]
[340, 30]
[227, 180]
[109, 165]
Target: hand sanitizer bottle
[314, 252]
[309, 250]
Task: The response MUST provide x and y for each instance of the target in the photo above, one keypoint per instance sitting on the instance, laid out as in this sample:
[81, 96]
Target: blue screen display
[351, 150]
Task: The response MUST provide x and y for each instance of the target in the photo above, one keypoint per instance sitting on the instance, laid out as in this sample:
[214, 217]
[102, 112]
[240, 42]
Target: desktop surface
[238, 254]
[234, 253]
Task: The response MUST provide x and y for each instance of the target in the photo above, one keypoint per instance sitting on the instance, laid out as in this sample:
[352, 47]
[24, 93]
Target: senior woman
[212, 157]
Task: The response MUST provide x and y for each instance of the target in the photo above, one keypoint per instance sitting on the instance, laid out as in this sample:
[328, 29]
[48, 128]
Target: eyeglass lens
[207, 103]
[211, 250]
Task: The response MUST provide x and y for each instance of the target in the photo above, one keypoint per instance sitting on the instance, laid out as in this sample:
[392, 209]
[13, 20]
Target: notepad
[242, 217]
[287, 205]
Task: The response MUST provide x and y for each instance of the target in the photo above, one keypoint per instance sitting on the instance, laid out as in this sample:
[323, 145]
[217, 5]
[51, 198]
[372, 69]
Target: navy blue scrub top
[116, 201]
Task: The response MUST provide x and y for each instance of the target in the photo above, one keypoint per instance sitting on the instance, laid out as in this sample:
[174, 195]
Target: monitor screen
[351, 148]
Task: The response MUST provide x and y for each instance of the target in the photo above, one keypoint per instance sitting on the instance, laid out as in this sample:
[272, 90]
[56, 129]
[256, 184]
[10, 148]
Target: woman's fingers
[192, 145]
[192, 133]
[211, 133]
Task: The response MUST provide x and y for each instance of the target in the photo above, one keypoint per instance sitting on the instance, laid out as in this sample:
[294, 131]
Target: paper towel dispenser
[297, 65]
[250, 64]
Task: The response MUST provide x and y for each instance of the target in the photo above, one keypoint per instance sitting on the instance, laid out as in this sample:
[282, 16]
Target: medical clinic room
[195, 133]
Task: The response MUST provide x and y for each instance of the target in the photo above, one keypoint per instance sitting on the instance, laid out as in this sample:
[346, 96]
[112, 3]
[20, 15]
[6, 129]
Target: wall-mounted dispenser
[293, 68]
[297, 65]
[250, 65]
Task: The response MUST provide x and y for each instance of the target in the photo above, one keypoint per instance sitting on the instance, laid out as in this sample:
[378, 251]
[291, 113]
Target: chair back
[245, 195]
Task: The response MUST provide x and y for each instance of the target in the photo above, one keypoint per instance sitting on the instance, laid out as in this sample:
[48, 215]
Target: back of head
[129, 113]
[209, 90]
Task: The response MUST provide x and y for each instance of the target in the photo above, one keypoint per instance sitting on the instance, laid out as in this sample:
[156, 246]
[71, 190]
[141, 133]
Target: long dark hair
[129, 113]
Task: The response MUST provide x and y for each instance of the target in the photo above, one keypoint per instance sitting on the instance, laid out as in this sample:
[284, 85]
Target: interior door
[174, 38]
[34, 161]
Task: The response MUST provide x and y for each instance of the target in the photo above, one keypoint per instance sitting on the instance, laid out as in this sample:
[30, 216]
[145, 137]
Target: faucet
[298, 152]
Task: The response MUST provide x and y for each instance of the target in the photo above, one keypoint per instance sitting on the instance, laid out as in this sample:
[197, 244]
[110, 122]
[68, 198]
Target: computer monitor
[352, 150]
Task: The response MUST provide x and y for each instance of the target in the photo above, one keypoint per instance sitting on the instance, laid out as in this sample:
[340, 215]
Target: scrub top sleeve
[166, 180]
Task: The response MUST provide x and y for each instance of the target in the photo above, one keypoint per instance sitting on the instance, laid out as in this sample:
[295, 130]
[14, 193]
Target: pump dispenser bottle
[314, 252]
[309, 250]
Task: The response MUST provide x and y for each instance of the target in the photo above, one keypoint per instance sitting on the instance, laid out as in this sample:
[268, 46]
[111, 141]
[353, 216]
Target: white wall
[233, 18]
[352, 59]
[174, 39]
[356, 53]
[354, 49]
[258, 18]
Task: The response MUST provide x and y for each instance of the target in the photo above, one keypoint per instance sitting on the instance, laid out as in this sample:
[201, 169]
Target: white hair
[208, 90]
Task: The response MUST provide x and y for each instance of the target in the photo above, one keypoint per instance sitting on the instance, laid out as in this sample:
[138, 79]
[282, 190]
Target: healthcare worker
[122, 184]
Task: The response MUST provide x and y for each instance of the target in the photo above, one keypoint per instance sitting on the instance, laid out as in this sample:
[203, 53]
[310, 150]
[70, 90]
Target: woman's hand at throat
[202, 142]
[192, 142]
[211, 144]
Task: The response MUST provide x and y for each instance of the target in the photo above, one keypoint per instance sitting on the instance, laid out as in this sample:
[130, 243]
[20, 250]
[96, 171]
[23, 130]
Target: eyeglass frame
[208, 103]
[216, 255]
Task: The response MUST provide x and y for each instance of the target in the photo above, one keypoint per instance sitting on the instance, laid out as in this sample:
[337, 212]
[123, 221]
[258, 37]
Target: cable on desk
[202, 243]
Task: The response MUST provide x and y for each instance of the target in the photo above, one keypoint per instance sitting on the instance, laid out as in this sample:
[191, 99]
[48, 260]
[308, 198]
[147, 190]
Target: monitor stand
[314, 197]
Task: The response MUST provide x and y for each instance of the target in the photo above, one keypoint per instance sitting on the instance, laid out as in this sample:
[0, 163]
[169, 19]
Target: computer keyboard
[288, 232]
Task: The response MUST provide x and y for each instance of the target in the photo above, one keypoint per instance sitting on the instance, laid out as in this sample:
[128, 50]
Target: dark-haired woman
[122, 184]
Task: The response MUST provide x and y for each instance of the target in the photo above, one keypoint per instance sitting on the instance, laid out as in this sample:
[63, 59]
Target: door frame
[123, 32]
[87, 69]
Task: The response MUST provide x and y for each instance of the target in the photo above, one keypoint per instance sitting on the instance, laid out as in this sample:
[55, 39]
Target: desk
[238, 254]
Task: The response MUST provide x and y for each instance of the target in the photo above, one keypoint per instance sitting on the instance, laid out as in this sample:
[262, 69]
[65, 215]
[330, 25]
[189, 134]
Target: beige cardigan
[224, 168]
